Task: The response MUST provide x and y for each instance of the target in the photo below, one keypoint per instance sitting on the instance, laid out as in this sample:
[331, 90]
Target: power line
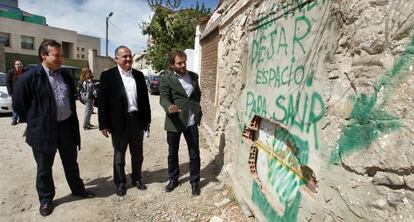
[125, 35]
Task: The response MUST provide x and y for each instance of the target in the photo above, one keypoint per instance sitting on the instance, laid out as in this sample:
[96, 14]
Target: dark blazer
[172, 92]
[11, 80]
[34, 102]
[113, 101]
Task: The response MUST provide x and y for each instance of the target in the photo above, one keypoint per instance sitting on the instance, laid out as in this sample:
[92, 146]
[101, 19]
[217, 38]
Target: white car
[5, 99]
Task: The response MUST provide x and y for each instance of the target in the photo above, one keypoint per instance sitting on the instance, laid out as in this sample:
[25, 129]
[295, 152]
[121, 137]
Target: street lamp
[107, 18]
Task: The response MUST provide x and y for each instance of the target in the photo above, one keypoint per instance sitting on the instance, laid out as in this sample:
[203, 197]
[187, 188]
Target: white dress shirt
[130, 88]
[188, 87]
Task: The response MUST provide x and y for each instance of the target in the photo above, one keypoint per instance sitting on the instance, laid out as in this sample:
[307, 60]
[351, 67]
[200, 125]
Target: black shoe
[85, 194]
[171, 186]
[121, 190]
[46, 209]
[14, 123]
[195, 190]
[139, 185]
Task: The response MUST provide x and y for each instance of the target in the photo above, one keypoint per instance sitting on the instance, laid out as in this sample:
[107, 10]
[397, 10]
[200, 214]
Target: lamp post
[107, 18]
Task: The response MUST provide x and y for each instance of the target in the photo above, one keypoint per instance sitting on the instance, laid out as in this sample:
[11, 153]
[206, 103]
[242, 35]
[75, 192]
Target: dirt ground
[18, 197]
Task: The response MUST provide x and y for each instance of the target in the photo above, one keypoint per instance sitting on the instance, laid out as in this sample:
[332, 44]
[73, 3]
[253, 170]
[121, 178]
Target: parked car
[5, 99]
[153, 84]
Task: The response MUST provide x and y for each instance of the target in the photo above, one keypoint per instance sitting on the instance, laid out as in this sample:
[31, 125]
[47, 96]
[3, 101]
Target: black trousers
[68, 153]
[192, 138]
[132, 136]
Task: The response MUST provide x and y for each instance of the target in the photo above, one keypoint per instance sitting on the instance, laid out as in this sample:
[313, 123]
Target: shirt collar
[49, 72]
[121, 71]
[181, 76]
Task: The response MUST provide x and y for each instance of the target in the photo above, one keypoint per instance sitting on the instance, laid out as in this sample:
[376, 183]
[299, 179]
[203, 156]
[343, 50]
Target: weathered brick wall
[208, 77]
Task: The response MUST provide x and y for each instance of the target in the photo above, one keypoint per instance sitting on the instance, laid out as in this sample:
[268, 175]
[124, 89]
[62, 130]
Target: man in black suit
[44, 98]
[124, 112]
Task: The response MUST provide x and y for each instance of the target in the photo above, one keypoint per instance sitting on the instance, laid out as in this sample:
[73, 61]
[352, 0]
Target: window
[27, 42]
[78, 56]
[5, 39]
[83, 49]
[77, 48]
[83, 56]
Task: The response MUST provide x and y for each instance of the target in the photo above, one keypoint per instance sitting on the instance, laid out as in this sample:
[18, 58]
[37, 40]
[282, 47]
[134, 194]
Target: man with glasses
[11, 78]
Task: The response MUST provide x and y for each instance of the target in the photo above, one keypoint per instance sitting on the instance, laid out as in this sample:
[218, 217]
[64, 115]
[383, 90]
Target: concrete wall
[2, 59]
[98, 64]
[338, 76]
[191, 60]
[87, 42]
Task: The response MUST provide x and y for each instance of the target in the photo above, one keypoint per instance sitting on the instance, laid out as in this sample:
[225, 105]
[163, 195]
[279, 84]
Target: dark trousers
[192, 139]
[68, 153]
[132, 136]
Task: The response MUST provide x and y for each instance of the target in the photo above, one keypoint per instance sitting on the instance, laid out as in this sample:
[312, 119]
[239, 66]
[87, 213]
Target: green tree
[170, 30]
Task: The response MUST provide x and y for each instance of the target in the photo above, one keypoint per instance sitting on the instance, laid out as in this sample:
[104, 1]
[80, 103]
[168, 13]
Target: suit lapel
[137, 83]
[44, 80]
[193, 82]
[118, 82]
[177, 85]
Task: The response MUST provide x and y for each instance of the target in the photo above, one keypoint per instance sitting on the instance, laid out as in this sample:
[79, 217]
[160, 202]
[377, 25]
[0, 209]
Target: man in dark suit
[180, 97]
[44, 98]
[124, 112]
[11, 79]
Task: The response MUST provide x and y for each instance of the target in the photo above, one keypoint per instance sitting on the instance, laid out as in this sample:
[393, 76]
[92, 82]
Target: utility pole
[107, 18]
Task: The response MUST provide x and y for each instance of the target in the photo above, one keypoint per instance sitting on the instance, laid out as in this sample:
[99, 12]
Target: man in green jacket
[180, 97]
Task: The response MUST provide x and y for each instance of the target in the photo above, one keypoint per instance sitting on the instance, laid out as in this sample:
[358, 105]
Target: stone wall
[338, 76]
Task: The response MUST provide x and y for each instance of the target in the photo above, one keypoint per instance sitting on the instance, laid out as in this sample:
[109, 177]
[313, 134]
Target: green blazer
[171, 92]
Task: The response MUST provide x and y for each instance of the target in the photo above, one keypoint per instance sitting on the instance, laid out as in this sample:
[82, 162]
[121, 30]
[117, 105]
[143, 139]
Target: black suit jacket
[113, 101]
[11, 80]
[34, 102]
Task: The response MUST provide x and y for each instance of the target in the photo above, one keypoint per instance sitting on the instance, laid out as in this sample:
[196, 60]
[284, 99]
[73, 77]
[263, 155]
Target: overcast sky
[88, 17]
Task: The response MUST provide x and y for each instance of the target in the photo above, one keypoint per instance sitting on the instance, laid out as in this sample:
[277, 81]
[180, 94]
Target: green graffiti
[285, 182]
[290, 213]
[292, 110]
[368, 122]
[263, 47]
[282, 40]
[292, 115]
[296, 38]
[278, 76]
[301, 110]
[303, 149]
[255, 105]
